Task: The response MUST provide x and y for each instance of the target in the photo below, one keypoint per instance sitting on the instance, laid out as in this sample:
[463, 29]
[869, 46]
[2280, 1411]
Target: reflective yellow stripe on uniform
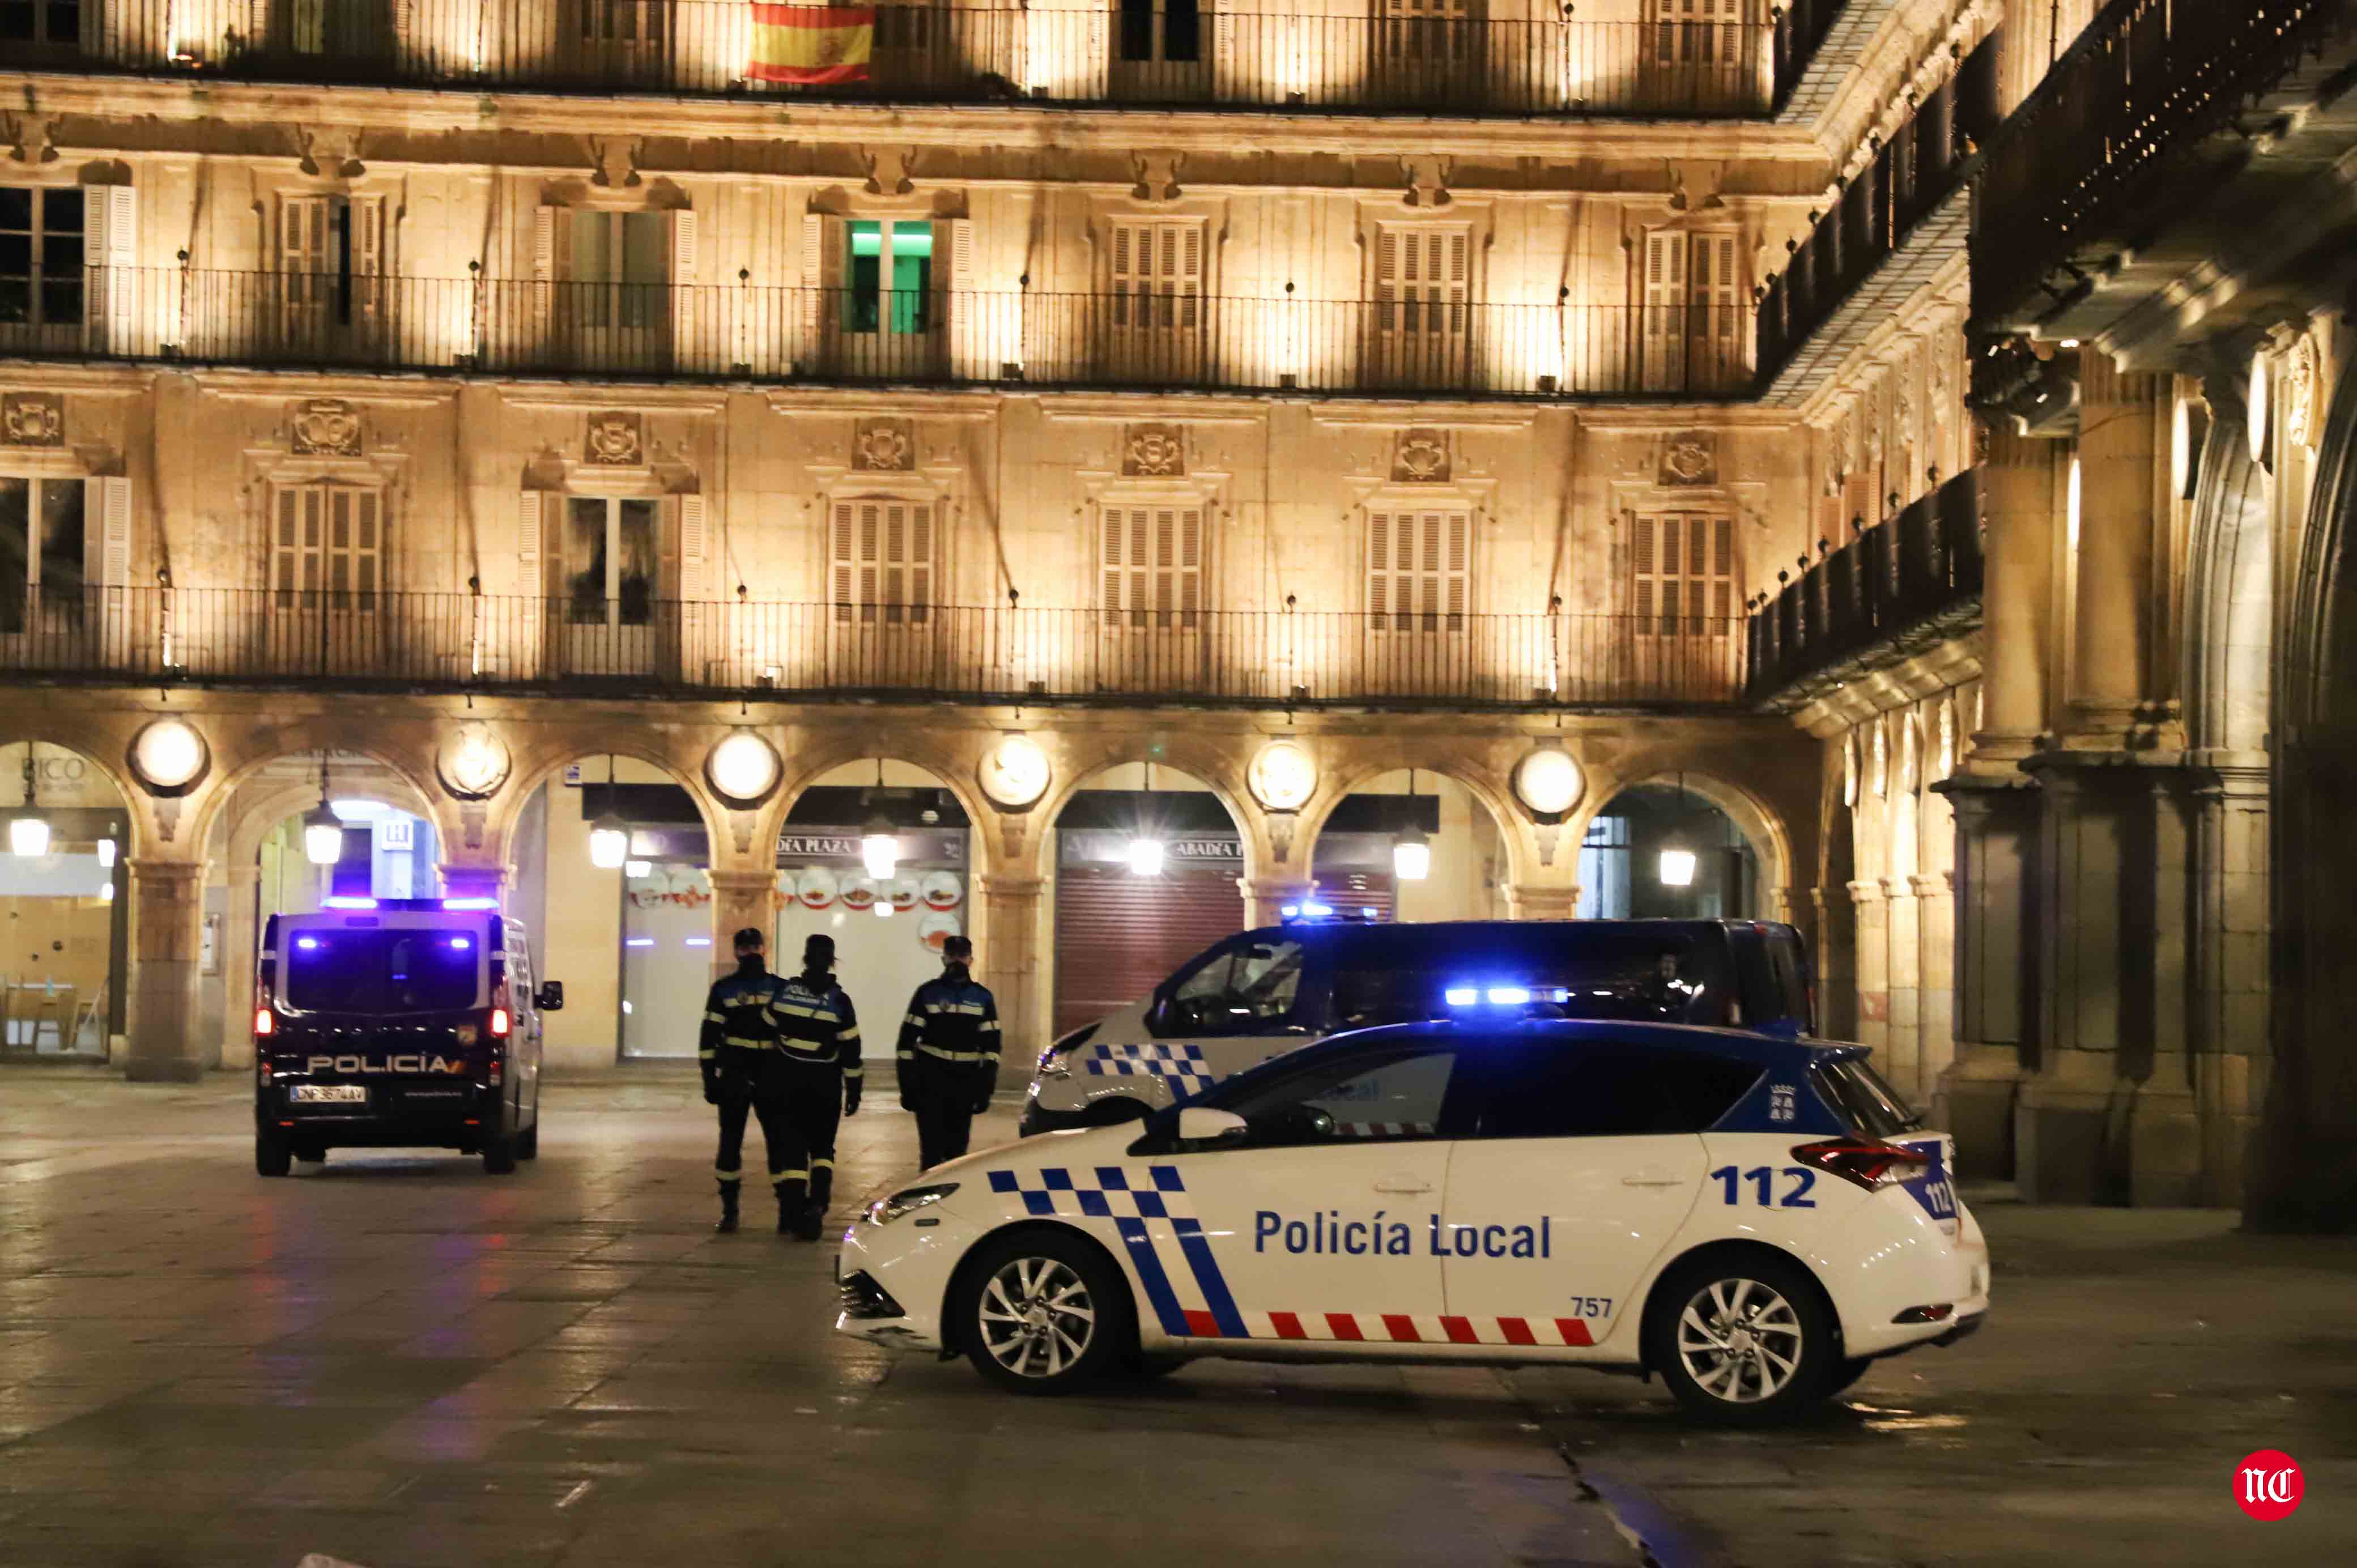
[744, 1045]
[951, 1056]
[778, 1177]
[715, 1018]
[855, 1072]
[726, 1173]
[990, 1025]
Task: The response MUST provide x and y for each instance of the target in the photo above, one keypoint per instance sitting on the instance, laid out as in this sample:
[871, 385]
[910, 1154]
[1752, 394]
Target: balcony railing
[2145, 78]
[939, 336]
[1912, 579]
[825, 652]
[1143, 52]
[1907, 180]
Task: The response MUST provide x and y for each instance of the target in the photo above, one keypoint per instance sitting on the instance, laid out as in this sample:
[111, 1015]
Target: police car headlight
[906, 1201]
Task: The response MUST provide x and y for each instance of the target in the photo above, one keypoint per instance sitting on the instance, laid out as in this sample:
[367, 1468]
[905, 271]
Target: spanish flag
[812, 46]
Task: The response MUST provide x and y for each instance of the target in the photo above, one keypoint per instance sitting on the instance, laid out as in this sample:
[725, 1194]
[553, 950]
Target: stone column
[1902, 1052]
[1532, 901]
[2233, 981]
[742, 896]
[1007, 933]
[1873, 965]
[2111, 661]
[1265, 898]
[1936, 921]
[2022, 499]
[239, 939]
[166, 930]
[1836, 963]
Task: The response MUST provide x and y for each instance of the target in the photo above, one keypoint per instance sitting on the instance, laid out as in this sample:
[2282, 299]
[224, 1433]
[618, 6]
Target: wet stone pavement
[401, 1362]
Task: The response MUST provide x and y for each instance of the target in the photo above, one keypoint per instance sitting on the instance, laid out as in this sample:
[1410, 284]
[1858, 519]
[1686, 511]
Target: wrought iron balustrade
[1418, 341]
[645, 645]
[1146, 52]
[1914, 577]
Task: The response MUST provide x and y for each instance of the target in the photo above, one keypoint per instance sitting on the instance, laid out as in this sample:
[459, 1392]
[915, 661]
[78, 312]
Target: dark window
[1245, 988]
[382, 971]
[40, 22]
[41, 262]
[1399, 976]
[1390, 1095]
[1533, 1091]
[43, 550]
[1869, 1105]
[1161, 30]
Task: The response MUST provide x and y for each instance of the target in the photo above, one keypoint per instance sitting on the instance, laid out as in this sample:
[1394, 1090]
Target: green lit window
[890, 268]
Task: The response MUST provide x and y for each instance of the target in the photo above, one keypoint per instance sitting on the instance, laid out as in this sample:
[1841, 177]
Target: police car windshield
[383, 971]
[1394, 976]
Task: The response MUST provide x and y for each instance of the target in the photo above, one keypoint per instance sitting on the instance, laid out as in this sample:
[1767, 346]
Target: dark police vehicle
[397, 1023]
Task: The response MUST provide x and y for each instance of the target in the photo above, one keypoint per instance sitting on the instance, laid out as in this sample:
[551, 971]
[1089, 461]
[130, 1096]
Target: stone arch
[1080, 758]
[541, 760]
[250, 821]
[2229, 608]
[951, 763]
[276, 746]
[1753, 817]
[1492, 792]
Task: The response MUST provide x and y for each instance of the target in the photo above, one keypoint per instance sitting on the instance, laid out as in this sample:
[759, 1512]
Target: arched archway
[64, 903]
[1147, 861]
[1413, 844]
[1681, 845]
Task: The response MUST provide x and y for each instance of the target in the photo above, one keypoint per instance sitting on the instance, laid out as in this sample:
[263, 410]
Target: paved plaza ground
[400, 1362]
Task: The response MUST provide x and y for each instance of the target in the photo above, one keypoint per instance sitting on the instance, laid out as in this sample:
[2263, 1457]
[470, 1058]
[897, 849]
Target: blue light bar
[461, 944]
[1291, 912]
[348, 902]
[1317, 911]
[470, 903]
[1462, 997]
[1508, 996]
[309, 944]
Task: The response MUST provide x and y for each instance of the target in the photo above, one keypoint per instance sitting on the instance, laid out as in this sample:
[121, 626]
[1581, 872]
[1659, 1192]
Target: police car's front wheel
[1043, 1313]
[1745, 1340]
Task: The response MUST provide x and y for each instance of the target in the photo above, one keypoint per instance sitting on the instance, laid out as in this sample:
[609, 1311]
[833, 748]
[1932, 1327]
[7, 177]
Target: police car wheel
[271, 1157]
[499, 1156]
[1745, 1340]
[527, 1147]
[1044, 1314]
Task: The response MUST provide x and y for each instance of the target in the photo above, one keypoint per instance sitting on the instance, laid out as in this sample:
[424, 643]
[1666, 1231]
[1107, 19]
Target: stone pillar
[1007, 933]
[2111, 662]
[1995, 948]
[1836, 963]
[1873, 965]
[240, 937]
[1532, 901]
[2022, 494]
[2231, 968]
[1902, 1052]
[1935, 920]
[742, 896]
[166, 930]
[1265, 898]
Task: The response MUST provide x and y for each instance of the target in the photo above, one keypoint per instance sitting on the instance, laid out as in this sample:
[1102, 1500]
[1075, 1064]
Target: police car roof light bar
[347, 903]
[470, 903]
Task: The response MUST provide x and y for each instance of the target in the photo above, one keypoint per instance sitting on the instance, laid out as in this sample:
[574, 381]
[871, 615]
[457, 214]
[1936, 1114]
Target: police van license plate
[331, 1093]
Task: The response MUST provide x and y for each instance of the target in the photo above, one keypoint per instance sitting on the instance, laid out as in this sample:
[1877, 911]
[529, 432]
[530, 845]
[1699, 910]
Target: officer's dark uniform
[948, 1056]
[818, 1042]
[743, 1070]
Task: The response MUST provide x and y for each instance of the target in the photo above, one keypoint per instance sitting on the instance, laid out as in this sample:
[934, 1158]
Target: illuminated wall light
[107, 851]
[323, 836]
[28, 836]
[743, 767]
[880, 850]
[1411, 856]
[106, 893]
[1146, 857]
[610, 844]
[168, 755]
[1677, 868]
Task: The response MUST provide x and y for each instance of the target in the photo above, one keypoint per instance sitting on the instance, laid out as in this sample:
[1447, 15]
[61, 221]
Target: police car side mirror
[552, 996]
[1205, 1125]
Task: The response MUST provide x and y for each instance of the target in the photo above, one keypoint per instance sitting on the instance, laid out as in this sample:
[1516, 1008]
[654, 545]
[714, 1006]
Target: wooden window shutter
[687, 311]
[110, 241]
[844, 558]
[1457, 568]
[531, 583]
[1663, 305]
[543, 265]
[1387, 279]
[1379, 561]
[1191, 566]
[1722, 571]
[107, 502]
[920, 560]
[1642, 563]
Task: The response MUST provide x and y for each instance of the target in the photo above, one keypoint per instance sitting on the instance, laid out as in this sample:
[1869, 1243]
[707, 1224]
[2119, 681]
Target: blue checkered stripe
[1180, 1067]
[1130, 1199]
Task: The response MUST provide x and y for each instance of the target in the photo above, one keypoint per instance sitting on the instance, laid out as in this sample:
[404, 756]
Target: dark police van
[397, 1023]
[1263, 993]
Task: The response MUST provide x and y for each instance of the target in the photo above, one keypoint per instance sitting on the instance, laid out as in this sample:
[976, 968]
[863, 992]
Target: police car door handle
[1403, 1184]
[1652, 1176]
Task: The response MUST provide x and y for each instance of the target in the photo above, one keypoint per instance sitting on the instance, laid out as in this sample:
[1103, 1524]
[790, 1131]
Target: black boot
[813, 1217]
[727, 1207]
[790, 1206]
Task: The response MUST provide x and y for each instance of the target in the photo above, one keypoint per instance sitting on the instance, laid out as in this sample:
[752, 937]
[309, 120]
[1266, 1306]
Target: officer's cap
[751, 937]
[819, 946]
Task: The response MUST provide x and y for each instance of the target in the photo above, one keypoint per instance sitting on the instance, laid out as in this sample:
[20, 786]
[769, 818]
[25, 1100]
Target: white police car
[1753, 1219]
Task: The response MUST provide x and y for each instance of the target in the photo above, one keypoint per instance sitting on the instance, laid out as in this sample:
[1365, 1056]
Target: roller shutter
[1120, 935]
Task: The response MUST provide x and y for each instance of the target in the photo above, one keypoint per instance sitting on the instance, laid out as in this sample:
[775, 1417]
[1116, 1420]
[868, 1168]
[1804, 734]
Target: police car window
[1590, 1091]
[1383, 978]
[1870, 1106]
[382, 971]
[1367, 1096]
[1241, 989]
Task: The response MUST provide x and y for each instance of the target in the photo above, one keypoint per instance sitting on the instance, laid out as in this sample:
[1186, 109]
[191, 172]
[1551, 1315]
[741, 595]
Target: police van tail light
[1865, 1161]
[265, 1021]
[500, 1024]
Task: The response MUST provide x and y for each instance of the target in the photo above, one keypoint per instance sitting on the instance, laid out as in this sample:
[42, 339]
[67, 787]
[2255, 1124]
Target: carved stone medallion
[1690, 457]
[1154, 451]
[33, 419]
[326, 427]
[883, 446]
[1422, 457]
[613, 439]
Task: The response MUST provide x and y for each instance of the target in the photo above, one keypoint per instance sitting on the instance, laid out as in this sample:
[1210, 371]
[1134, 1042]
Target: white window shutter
[532, 584]
[815, 300]
[110, 242]
[696, 587]
[922, 534]
[107, 501]
[369, 292]
[1662, 303]
[687, 312]
[1113, 599]
[1642, 564]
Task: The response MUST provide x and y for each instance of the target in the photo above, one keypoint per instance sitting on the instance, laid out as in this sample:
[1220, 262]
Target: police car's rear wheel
[499, 1156]
[1044, 1314]
[271, 1157]
[1747, 1339]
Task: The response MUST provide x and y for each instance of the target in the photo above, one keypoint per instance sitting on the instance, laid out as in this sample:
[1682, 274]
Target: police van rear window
[383, 971]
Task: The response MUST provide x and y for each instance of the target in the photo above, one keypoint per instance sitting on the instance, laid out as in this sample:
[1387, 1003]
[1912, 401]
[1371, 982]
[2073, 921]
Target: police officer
[948, 1056]
[818, 1045]
[742, 1071]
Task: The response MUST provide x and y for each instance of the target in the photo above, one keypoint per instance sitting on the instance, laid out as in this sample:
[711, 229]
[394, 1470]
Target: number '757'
[1762, 1179]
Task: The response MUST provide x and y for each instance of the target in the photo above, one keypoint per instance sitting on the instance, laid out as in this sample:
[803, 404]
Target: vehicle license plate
[332, 1093]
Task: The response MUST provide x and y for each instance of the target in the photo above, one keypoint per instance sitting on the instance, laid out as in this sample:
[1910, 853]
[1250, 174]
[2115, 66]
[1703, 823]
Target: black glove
[982, 1101]
[711, 1086]
[851, 1097]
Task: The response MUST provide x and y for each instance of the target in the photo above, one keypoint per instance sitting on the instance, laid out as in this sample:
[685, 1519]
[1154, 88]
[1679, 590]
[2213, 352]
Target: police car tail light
[1865, 1161]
